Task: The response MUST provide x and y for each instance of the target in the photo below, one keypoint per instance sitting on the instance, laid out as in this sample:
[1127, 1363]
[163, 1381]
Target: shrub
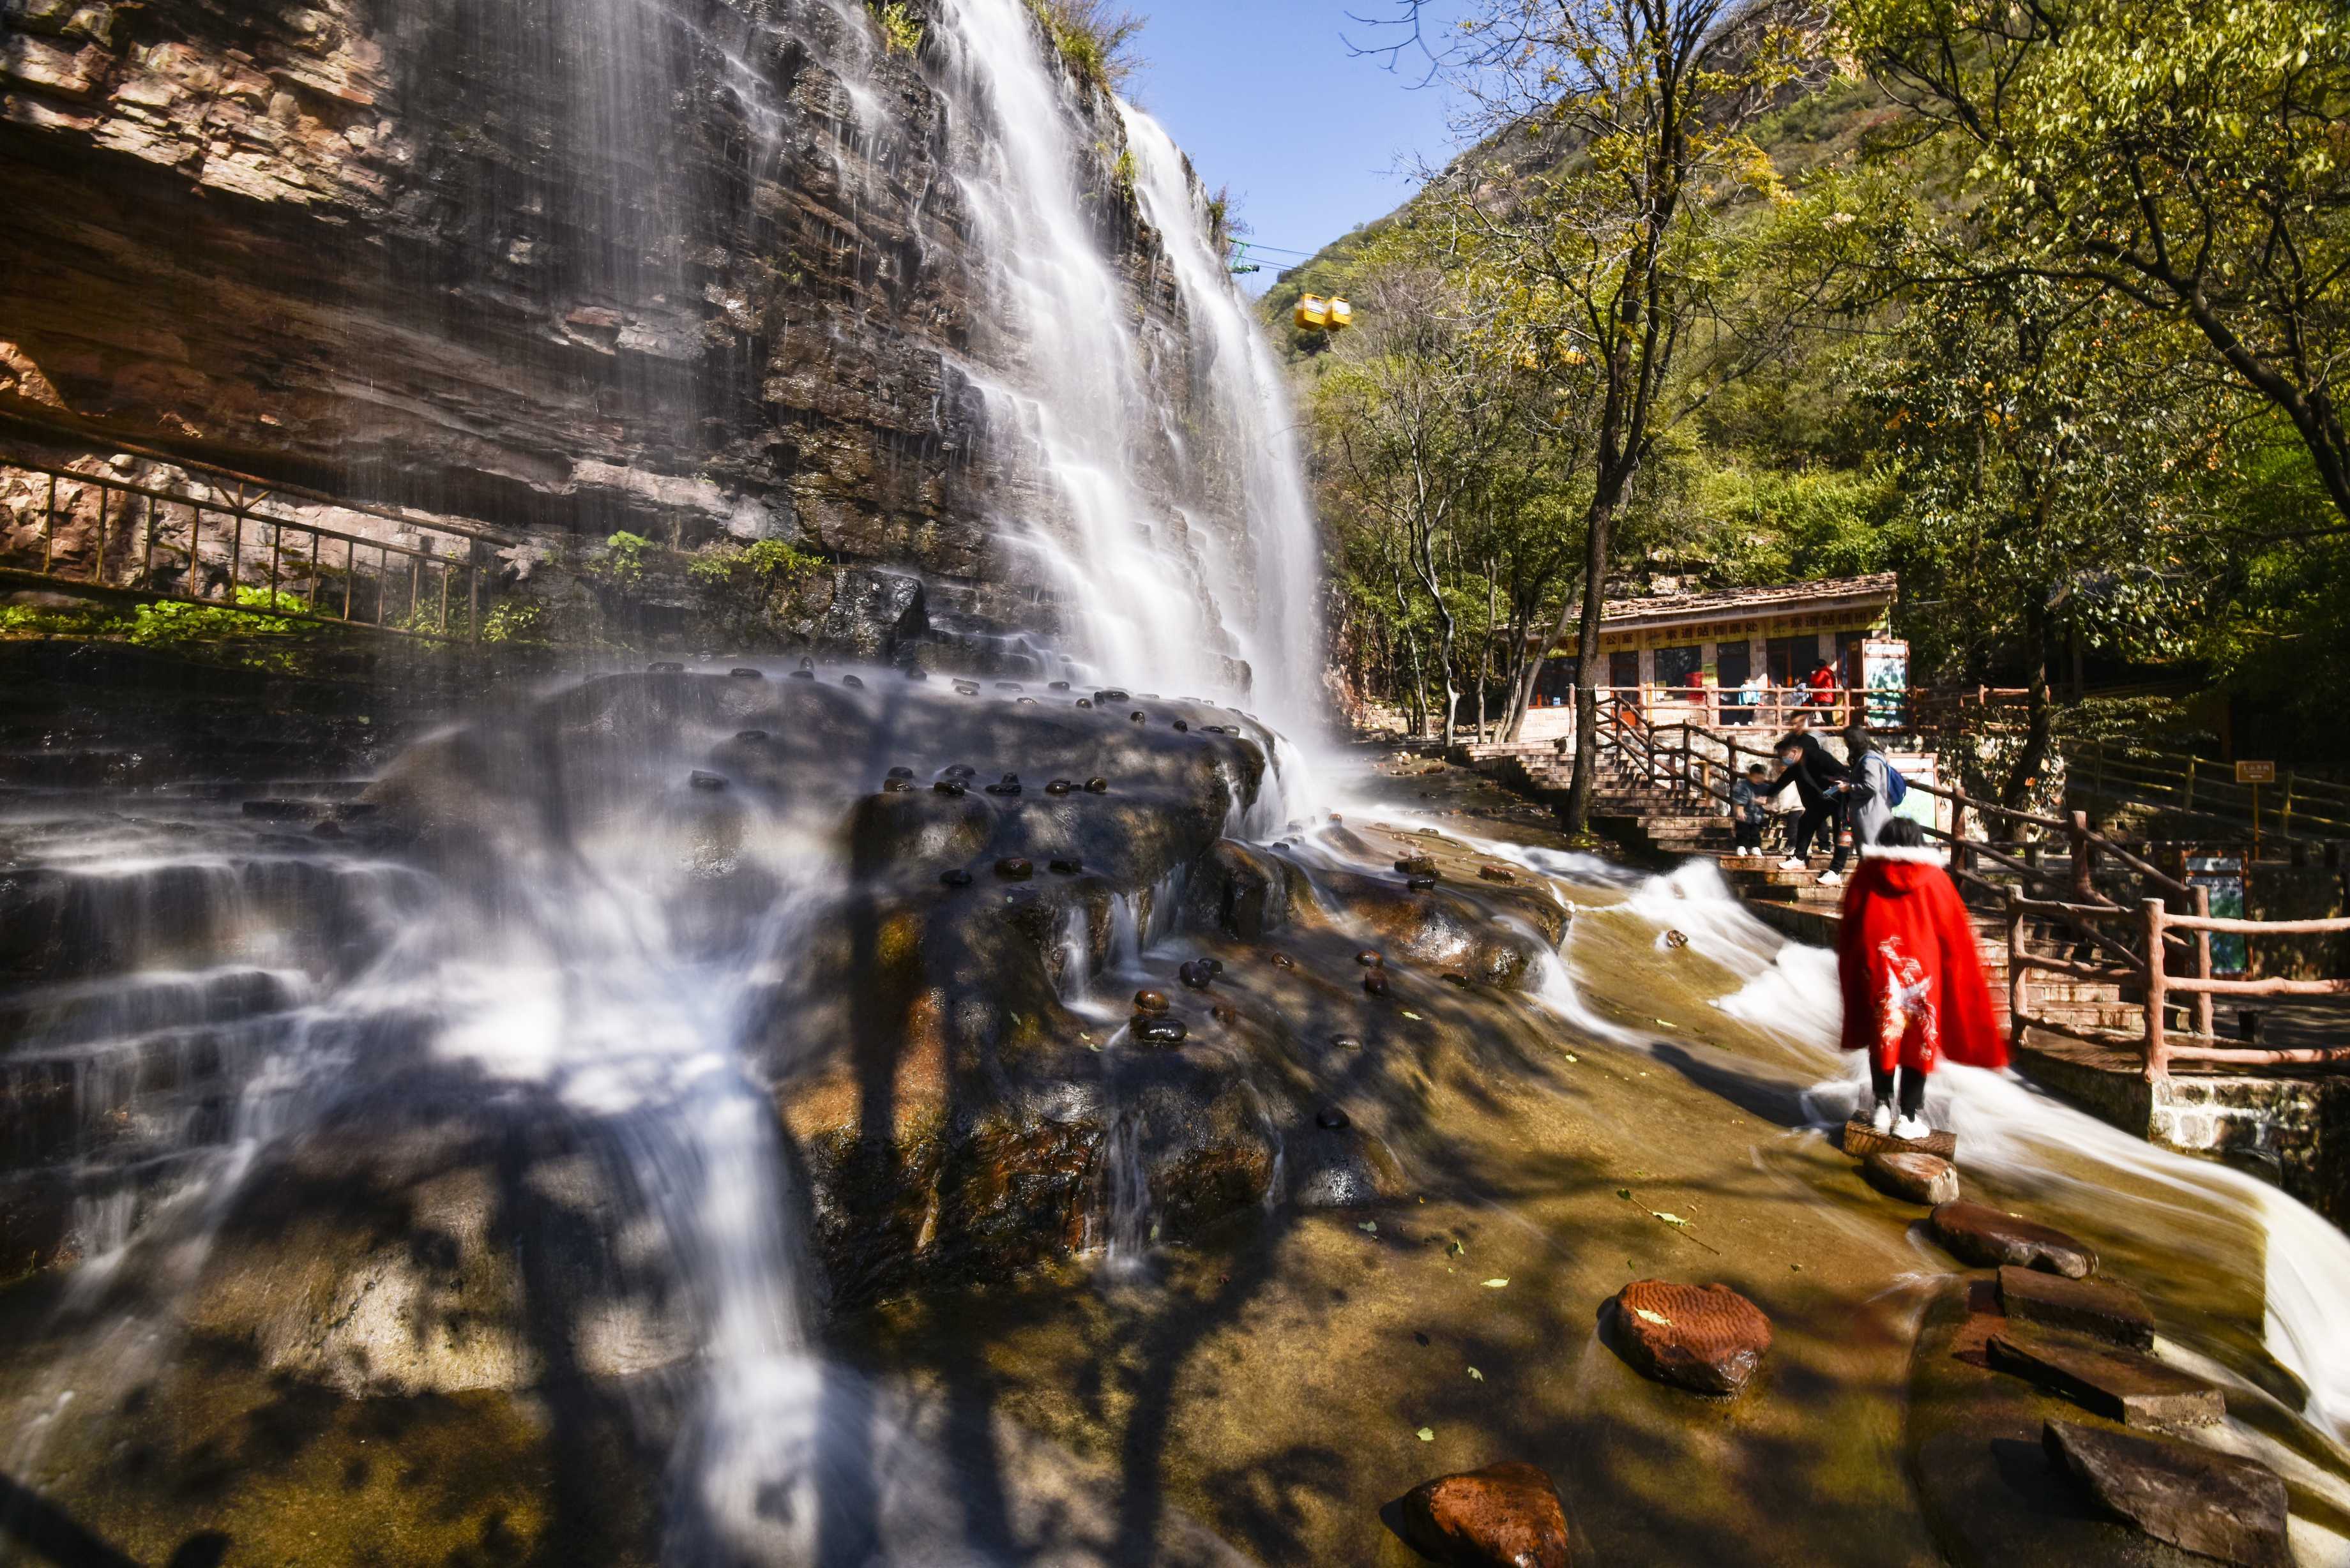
[1098, 41]
[900, 34]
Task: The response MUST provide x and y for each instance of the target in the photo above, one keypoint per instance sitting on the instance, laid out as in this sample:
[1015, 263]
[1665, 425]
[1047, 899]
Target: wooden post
[2076, 828]
[2157, 1046]
[2204, 1027]
[2018, 1002]
[2190, 781]
[2284, 823]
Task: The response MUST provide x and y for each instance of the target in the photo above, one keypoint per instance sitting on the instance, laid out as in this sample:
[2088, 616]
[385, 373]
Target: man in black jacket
[1823, 785]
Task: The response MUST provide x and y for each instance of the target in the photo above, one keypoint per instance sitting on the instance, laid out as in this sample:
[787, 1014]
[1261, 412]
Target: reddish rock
[1912, 1175]
[1376, 982]
[1503, 1516]
[1497, 874]
[1151, 1002]
[1706, 1339]
[1992, 1238]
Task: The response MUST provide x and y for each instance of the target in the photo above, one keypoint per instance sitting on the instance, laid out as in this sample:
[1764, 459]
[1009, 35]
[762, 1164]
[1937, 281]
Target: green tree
[1620, 238]
[2186, 157]
[2053, 496]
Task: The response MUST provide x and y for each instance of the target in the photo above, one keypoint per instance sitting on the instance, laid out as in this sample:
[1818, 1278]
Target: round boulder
[1992, 1238]
[1912, 1175]
[1705, 1338]
[1503, 1516]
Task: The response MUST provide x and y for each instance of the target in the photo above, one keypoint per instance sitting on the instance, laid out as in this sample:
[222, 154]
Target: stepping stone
[2104, 1309]
[2125, 1385]
[2192, 1497]
[1911, 1176]
[1992, 1238]
[1503, 1516]
[1861, 1140]
[1416, 866]
[1706, 1339]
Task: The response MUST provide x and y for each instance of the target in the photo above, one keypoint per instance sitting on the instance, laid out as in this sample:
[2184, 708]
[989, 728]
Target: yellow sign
[2255, 773]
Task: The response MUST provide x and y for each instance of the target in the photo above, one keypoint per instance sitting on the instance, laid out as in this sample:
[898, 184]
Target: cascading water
[1177, 556]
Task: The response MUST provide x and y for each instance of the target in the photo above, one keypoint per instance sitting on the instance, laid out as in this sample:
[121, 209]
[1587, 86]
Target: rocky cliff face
[694, 268]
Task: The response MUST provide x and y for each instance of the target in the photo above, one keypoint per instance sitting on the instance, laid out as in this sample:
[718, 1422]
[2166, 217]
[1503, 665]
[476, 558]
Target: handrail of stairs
[214, 539]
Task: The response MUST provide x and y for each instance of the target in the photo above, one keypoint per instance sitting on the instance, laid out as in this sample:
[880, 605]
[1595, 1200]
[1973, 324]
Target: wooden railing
[206, 536]
[2296, 810]
[2112, 909]
[2148, 971]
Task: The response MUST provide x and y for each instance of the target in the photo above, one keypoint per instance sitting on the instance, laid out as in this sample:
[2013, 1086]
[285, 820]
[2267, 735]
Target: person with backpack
[1912, 978]
[1879, 789]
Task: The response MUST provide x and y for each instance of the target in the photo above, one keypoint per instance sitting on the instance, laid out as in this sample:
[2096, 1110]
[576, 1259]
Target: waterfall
[1248, 451]
[1176, 541]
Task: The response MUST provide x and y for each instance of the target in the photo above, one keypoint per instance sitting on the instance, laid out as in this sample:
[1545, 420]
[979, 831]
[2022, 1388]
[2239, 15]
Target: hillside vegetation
[2039, 306]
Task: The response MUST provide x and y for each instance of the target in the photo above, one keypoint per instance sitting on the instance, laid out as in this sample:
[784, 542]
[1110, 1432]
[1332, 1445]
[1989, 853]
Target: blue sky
[1266, 98]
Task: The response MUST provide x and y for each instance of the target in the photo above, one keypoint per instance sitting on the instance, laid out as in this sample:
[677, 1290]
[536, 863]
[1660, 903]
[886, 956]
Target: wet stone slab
[1992, 1238]
[2119, 1384]
[2194, 1498]
[2104, 1309]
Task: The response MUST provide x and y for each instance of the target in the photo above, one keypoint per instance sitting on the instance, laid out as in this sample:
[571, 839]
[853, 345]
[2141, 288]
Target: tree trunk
[1586, 651]
[2040, 714]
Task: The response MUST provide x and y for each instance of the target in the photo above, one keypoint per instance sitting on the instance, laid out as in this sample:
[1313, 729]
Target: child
[1746, 814]
[1913, 979]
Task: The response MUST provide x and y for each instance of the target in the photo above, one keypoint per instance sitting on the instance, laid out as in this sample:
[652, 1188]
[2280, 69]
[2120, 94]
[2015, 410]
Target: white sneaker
[1830, 879]
[1909, 1130]
[1792, 864]
[1881, 1118]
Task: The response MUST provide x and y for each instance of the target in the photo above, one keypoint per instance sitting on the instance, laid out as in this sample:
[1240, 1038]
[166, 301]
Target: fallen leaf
[1664, 1024]
[1477, 1375]
[1625, 1193]
[1413, 1016]
[1659, 1319]
[1455, 1249]
[1427, 1435]
[1667, 1219]
[1370, 1225]
[1570, 1056]
[1495, 1285]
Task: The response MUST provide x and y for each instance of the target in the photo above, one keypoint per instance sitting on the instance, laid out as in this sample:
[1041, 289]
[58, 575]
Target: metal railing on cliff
[2118, 919]
[178, 531]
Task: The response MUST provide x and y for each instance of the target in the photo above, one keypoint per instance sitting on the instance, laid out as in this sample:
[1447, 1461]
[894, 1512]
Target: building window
[1732, 663]
[1624, 668]
[1681, 668]
[1792, 658]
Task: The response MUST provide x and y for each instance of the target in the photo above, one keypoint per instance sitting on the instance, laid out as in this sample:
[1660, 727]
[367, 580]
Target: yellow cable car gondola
[1340, 313]
[1312, 313]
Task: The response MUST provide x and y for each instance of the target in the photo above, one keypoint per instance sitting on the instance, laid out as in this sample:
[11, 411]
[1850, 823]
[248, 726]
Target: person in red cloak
[1914, 993]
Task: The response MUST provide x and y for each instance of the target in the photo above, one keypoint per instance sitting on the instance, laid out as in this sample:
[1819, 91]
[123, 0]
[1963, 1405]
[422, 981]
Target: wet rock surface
[2104, 1309]
[1915, 1177]
[1506, 1515]
[2215, 1504]
[1992, 1238]
[1708, 1339]
[2119, 1384]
